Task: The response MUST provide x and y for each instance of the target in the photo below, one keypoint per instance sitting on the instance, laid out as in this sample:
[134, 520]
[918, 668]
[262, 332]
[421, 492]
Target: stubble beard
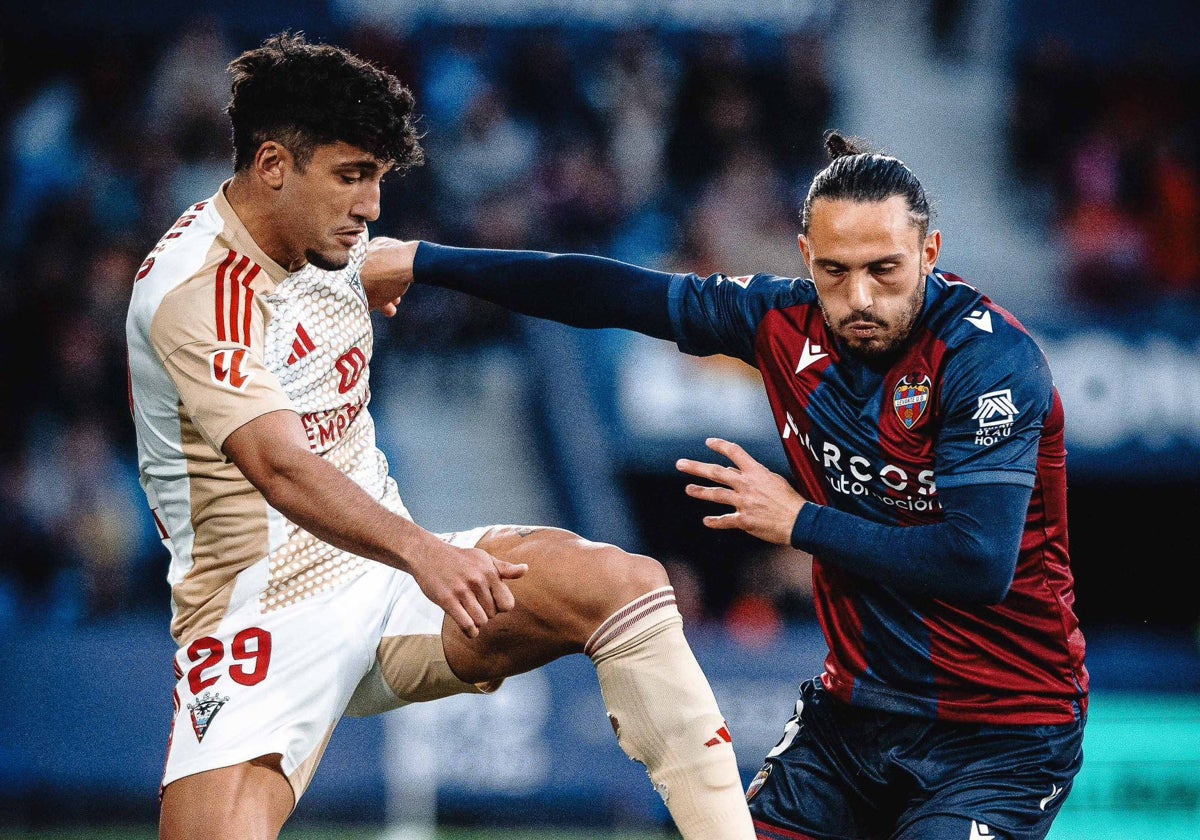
[327, 263]
[892, 340]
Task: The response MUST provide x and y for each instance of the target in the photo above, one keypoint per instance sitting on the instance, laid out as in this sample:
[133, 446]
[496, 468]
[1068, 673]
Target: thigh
[253, 800]
[572, 586]
[818, 782]
[410, 660]
[993, 782]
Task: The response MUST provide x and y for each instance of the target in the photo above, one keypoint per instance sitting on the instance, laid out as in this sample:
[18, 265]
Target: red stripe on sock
[629, 615]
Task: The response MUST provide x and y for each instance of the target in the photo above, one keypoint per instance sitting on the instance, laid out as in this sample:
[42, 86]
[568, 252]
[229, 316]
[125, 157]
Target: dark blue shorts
[844, 773]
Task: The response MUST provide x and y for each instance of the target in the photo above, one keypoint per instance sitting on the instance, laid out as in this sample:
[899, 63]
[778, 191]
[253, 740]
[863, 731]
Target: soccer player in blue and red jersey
[925, 439]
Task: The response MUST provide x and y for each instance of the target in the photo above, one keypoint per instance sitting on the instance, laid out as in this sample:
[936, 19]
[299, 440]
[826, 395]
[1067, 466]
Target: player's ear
[805, 250]
[271, 161]
[930, 250]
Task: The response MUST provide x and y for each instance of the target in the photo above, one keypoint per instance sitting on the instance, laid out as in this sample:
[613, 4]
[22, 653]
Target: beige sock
[666, 717]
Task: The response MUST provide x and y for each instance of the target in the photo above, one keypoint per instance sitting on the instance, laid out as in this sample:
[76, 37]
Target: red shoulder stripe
[250, 275]
[221, 271]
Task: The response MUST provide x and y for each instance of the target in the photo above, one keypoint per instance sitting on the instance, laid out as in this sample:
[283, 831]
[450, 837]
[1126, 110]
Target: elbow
[988, 579]
[277, 478]
[273, 486]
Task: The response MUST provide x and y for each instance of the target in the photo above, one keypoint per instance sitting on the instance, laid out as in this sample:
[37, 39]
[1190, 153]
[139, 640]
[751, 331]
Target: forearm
[574, 289]
[273, 454]
[968, 558]
[315, 495]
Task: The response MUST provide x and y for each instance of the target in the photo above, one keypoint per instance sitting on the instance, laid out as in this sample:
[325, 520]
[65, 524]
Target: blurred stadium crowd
[1117, 150]
[684, 150]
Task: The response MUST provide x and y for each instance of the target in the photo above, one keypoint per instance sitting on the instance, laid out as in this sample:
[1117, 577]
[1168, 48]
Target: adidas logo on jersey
[302, 345]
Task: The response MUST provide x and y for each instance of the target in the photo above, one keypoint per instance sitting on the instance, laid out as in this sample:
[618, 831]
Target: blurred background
[1060, 143]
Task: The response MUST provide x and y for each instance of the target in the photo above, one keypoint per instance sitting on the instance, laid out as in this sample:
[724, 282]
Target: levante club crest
[911, 397]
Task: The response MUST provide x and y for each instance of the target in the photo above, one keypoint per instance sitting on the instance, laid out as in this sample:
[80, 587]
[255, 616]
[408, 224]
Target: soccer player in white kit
[301, 589]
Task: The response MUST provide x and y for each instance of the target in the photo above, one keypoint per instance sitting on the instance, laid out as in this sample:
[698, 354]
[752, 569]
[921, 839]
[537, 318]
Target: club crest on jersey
[356, 285]
[911, 397]
[204, 710]
[758, 781]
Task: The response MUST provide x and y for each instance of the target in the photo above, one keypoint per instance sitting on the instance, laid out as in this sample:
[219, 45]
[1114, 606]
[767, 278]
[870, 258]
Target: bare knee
[573, 584]
[575, 568]
[630, 576]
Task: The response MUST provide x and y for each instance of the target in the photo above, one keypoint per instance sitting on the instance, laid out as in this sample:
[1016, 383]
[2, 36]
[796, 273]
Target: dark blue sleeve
[574, 289]
[996, 394]
[969, 558]
[721, 314]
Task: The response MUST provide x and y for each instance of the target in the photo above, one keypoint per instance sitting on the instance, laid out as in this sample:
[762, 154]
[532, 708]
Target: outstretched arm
[968, 558]
[574, 289]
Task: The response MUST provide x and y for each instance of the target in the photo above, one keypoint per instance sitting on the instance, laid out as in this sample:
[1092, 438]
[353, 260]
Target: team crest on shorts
[204, 710]
[758, 781]
[911, 397]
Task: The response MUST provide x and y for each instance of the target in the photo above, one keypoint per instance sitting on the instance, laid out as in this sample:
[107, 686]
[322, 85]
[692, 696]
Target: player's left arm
[969, 557]
[702, 315]
[575, 289]
[987, 459]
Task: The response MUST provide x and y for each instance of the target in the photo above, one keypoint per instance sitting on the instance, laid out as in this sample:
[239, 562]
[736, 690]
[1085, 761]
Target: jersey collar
[243, 242]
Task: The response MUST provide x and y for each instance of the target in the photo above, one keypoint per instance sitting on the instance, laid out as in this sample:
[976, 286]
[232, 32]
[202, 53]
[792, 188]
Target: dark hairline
[915, 218]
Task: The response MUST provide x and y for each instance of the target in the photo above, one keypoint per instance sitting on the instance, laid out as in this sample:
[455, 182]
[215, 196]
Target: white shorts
[277, 682]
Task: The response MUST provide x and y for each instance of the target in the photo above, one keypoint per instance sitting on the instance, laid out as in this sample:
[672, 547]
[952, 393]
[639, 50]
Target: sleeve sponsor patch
[995, 414]
[226, 369]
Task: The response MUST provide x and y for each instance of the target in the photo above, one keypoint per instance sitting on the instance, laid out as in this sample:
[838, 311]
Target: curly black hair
[859, 174]
[305, 95]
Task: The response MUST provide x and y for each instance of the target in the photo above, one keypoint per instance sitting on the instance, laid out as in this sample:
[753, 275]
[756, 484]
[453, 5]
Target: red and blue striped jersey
[970, 401]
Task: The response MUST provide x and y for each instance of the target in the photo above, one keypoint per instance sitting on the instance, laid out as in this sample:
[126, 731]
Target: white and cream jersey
[220, 334]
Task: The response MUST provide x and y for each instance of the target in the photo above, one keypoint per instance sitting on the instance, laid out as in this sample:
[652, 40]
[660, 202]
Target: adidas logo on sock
[723, 737]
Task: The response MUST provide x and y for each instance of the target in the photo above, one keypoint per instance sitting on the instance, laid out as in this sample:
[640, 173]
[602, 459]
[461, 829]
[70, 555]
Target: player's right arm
[207, 333]
[272, 452]
[574, 289]
[703, 315]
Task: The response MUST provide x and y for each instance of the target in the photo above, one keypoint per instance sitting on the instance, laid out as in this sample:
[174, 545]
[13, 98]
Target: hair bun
[838, 145]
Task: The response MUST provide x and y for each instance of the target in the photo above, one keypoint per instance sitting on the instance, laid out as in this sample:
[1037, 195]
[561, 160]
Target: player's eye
[351, 179]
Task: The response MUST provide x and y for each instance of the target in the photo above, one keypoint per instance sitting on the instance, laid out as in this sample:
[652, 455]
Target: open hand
[764, 503]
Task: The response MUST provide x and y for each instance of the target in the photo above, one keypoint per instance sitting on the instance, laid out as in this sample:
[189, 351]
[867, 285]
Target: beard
[892, 335]
[326, 262]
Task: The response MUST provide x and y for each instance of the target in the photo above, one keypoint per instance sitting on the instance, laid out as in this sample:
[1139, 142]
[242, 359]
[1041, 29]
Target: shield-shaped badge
[911, 397]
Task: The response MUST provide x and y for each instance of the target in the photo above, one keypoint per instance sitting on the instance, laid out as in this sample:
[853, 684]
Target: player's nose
[858, 291]
[368, 204]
